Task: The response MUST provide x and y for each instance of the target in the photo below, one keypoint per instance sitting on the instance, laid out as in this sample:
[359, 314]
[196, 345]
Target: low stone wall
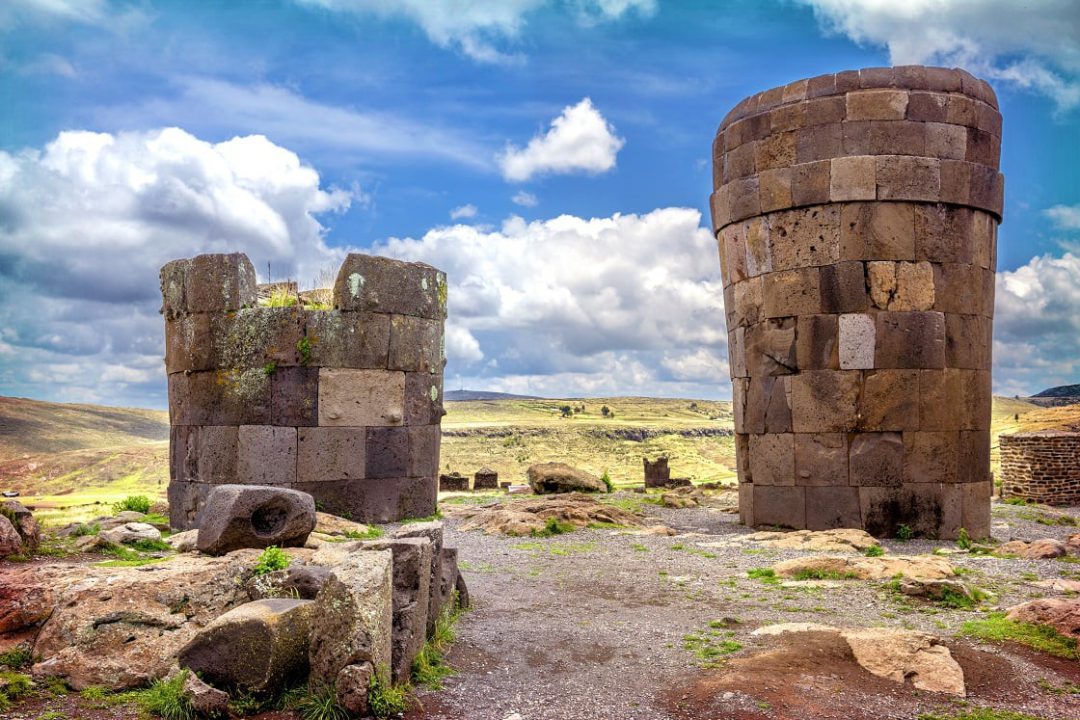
[1042, 467]
[344, 404]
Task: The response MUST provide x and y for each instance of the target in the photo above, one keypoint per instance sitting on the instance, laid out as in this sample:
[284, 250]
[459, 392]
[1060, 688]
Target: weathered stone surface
[119, 627]
[387, 452]
[433, 532]
[782, 506]
[247, 516]
[877, 231]
[909, 340]
[375, 500]
[330, 453]
[522, 517]
[206, 701]
[424, 443]
[840, 540]
[821, 459]
[348, 339]
[485, 479]
[185, 541]
[353, 682]
[361, 397]
[207, 283]
[553, 477]
[852, 178]
[858, 340]
[423, 399]
[889, 400]
[380, 284]
[353, 617]
[415, 344]
[203, 454]
[772, 459]
[266, 455]
[1062, 614]
[10, 542]
[185, 499]
[222, 397]
[130, 533]
[302, 582]
[453, 482]
[825, 400]
[817, 343]
[294, 396]
[916, 567]
[877, 459]
[1044, 549]
[23, 522]
[412, 560]
[793, 292]
[256, 647]
[843, 288]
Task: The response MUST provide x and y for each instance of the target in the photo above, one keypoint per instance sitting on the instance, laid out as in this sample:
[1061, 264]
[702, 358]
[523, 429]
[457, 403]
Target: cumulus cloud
[622, 304]
[478, 27]
[1066, 217]
[465, 211]
[86, 222]
[1031, 45]
[524, 199]
[1037, 325]
[579, 140]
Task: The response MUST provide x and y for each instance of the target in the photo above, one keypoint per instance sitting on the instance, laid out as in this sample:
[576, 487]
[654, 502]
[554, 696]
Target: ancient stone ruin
[1042, 467]
[344, 404]
[856, 215]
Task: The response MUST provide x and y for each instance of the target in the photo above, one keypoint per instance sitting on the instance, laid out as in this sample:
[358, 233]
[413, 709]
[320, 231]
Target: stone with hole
[251, 516]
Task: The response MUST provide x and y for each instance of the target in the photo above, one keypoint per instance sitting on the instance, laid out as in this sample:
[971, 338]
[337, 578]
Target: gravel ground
[592, 625]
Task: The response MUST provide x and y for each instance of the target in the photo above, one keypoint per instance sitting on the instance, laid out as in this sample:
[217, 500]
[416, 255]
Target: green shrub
[606, 479]
[904, 532]
[372, 533]
[996, 627]
[385, 699]
[166, 699]
[13, 686]
[553, 527]
[150, 546]
[765, 575]
[963, 540]
[272, 558]
[82, 529]
[304, 347]
[132, 503]
[315, 703]
[17, 657]
[874, 551]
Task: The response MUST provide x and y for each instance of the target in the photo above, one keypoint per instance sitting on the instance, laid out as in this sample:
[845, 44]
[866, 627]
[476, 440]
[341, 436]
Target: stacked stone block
[1042, 467]
[856, 216]
[344, 404]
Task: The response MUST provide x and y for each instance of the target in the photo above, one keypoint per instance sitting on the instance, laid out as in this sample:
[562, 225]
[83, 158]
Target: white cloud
[628, 303]
[524, 199]
[1032, 45]
[49, 64]
[465, 211]
[86, 222]
[1037, 325]
[580, 139]
[477, 27]
[1066, 217]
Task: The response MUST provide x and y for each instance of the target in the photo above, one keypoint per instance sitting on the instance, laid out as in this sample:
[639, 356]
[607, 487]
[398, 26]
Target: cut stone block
[224, 397]
[832, 507]
[330, 453]
[932, 457]
[387, 453]
[876, 459]
[756, 237]
[821, 459]
[794, 292]
[944, 233]
[379, 284]
[205, 454]
[877, 231]
[877, 105]
[266, 455]
[361, 397]
[931, 510]
[772, 347]
[185, 499]
[252, 516]
[749, 300]
[779, 506]
[817, 343]
[853, 178]
[900, 177]
[775, 189]
[353, 618]
[857, 341]
[411, 599]
[825, 400]
[257, 647]
[968, 341]
[424, 442]
[433, 531]
[777, 150]
[423, 398]
[348, 339]
[907, 340]
[376, 500]
[207, 283]
[772, 459]
[820, 142]
[843, 288]
[973, 458]
[810, 183]
[890, 400]
[807, 237]
[415, 344]
[294, 396]
[901, 285]
[946, 141]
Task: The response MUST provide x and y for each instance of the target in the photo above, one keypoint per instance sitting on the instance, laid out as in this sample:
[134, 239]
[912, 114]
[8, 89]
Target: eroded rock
[24, 523]
[1062, 614]
[555, 477]
[254, 516]
[522, 517]
[917, 567]
[1044, 549]
[131, 532]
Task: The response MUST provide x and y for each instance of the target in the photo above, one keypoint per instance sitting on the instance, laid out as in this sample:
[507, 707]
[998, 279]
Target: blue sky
[552, 155]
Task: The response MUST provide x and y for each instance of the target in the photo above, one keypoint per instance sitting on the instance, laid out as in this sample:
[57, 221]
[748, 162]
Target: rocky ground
[600, 622]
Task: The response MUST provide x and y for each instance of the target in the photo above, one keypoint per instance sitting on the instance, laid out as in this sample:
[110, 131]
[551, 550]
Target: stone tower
[342, 403]
[857, 215]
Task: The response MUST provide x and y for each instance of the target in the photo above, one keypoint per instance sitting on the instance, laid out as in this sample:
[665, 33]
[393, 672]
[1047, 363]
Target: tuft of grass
[963, 540]
[272, 558]
[874, 551]
[960, 601]
[765, 575]
[1015, 501]
[373, 533]
[166, 699]
[980, 714]
[638, 547]
[132, 503]
[13, 686]
[997, 628]
[270, 368]
[83, 529]
[385, 699]
[151, 546]
[437, 515]
[553, 526]
[430, 666]
[315, 703]
[606, 479]
[710, 646]
[904, 532]
[304, 347]
[813, 574]
[17, 657]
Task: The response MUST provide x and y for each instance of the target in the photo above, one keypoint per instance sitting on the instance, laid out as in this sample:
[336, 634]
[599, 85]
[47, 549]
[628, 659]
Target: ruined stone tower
[856, 215]
[342, 403]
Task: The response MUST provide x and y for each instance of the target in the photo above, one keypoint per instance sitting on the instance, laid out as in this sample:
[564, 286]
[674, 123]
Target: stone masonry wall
[856, 215]
[344, 404]
[1042, 467]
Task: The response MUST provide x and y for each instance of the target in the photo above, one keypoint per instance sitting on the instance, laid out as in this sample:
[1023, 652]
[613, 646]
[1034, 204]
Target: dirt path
[592, 624]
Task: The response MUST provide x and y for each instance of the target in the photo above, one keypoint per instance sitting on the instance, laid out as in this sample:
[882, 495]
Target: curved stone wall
[1042, 467]
[856, 215]
[344, 404]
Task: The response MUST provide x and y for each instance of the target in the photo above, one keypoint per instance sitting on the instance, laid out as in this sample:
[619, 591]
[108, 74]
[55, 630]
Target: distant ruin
[344, 404]
[856, 216]
[1041, 467]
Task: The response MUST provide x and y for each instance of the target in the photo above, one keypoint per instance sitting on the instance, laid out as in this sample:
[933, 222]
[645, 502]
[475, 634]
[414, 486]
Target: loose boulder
[1044, 549]
[353, 622]
[555, 477]
[254, 516]
[917, 567]
[24, 523]
[10, 541]
[256, 647]
[186, 541]
[131, 532]
[1062, 614]
[523, 517]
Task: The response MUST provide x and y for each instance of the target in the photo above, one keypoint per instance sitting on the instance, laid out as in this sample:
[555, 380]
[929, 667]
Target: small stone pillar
[657, 472]
[486, 479]
[343, 404]
[453, 482]
[857, 215]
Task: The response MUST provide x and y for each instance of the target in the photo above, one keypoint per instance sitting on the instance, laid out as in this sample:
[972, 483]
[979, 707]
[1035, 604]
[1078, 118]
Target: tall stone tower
[856, 216]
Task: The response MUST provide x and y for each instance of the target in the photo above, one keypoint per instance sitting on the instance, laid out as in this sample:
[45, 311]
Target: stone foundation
[856, 215]
[344, 404]
[1042, 467]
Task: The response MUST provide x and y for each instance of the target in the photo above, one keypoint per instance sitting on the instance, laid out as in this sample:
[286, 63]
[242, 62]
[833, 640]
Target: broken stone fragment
[256, 647]
[131, 532]
[252, 516]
